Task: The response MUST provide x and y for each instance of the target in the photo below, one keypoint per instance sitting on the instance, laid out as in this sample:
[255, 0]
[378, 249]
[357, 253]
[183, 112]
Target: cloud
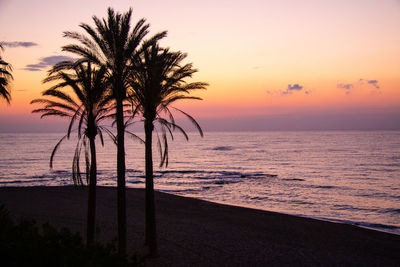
[346, 86]
[349, 86]
[294, 87]
[374, 83]
[19, 44]
[46, 62]
[291, 88]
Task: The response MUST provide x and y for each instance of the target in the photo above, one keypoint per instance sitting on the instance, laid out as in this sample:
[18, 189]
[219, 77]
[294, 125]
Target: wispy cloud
[19, 44]
[346, 86]
[374, 83]
[350, 86]
[46, 62]
[291, 88]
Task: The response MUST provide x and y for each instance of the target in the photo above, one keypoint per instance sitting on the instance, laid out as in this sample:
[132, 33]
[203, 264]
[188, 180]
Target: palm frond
[174, 126]
[76, 172]
[55, 150]
[110, 134]
[192, 120]
[134, 136]
[87, 161]
[164, 158]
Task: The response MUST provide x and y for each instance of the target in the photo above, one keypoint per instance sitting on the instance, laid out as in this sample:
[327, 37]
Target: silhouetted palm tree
[88, 106]
[110, 45]
[5, 77]
[157, 82]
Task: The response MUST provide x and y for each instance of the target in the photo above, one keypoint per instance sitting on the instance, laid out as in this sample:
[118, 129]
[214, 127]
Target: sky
[271, 65]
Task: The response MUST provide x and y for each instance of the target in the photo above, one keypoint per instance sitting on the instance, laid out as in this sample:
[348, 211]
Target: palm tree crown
[88, 106]
[5, 77]
[159, 81]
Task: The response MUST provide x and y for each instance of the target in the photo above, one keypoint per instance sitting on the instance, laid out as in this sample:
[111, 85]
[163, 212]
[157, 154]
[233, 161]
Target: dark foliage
[26, 244]
[5, 78]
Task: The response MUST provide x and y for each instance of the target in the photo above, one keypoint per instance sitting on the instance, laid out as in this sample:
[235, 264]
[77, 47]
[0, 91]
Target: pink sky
[322, 64]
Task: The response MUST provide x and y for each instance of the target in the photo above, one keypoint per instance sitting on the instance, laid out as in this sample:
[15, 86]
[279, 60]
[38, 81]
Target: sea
[350, 177]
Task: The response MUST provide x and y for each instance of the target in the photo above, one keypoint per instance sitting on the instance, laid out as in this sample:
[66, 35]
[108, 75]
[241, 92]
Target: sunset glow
[260, 58]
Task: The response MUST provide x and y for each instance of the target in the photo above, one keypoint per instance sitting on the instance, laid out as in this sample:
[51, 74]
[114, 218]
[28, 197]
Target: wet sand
[193, 232]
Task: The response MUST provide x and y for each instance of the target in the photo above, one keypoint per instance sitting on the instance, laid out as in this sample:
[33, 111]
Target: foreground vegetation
[5, 78]
[26, 244]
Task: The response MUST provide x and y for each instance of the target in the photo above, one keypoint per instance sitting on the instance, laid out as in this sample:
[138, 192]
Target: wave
[379, 195]
[24, 181]
[59, 171]
[392, 210]
[12, 182]
[259, 198]
[375, 226]
[206, 188]
[294, 179]
[218, 174]
[352, 208]
[383, 169]
[131, 170]
[180, 190]
[222, 148]
[300, 202]
[226, 182]
[180, 171]
[135, 182]
[324, 186]
[378, 225]
[393, 164]
[257, 175]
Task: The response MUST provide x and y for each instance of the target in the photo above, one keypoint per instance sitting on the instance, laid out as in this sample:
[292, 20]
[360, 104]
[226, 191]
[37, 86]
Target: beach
[194, 232]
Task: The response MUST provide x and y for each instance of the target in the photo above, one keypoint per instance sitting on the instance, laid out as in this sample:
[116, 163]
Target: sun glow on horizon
[260, 57]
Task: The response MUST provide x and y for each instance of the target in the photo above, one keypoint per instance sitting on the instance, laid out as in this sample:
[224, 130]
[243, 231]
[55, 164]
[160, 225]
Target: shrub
[26, 244]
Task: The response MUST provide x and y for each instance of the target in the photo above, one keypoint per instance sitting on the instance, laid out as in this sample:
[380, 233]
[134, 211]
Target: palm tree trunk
[91, 214]
[151, 234]
[121, 198]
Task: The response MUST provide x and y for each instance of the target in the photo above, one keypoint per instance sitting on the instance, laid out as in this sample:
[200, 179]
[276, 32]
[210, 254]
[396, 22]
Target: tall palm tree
[5, 77]
[88, 106]
[110, 45]
[159, 81]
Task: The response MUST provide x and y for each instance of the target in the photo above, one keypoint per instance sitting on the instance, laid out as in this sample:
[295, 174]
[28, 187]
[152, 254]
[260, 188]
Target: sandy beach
[193, 232]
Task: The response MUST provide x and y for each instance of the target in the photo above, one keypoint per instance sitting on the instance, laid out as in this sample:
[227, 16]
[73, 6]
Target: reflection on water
[352, 177]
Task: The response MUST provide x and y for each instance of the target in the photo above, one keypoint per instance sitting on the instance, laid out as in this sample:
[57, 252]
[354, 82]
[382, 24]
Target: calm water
[351, 177]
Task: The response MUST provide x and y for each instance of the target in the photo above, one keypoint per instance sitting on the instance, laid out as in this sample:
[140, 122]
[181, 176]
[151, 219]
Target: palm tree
[88, 106]
[159, 81]
[5, 77]
[110, 45]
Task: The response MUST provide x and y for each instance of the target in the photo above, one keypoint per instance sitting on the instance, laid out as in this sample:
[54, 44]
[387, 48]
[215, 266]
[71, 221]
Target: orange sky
[260, 58]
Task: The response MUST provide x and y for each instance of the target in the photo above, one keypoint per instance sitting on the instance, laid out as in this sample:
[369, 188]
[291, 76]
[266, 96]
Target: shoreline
[332, 220]
[198, 232]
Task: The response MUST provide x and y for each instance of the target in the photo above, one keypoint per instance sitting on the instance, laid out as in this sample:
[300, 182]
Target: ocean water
[350, 176]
